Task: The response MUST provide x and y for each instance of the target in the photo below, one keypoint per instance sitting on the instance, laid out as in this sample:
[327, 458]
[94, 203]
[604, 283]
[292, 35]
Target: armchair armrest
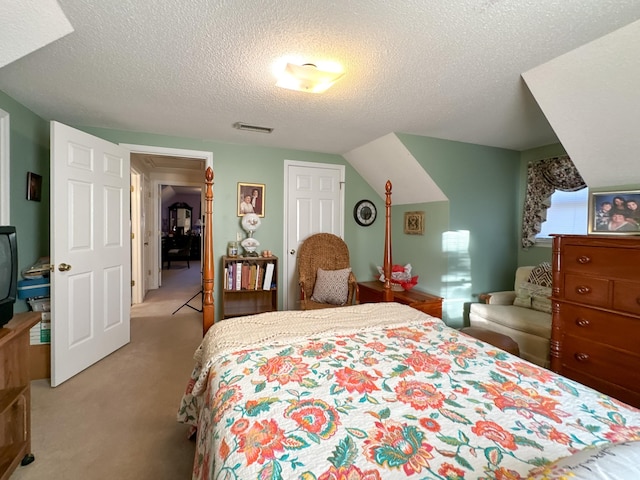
[500, 298]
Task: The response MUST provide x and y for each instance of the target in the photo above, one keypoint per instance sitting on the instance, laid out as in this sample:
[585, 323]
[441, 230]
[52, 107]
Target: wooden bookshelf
[244, 292]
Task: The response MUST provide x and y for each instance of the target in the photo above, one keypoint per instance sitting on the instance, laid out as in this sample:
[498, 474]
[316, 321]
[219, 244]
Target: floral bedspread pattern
[416, 400]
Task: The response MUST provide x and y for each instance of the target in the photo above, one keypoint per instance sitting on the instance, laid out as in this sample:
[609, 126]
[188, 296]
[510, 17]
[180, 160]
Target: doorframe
[137, 266]
[5, 168]
[155, 187]
[285, 236]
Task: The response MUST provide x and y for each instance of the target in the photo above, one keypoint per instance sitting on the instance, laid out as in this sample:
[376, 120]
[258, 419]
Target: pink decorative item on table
[401, 278]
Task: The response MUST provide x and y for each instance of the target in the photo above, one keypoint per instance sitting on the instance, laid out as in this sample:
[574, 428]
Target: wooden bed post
[387, 262]
[208, 311]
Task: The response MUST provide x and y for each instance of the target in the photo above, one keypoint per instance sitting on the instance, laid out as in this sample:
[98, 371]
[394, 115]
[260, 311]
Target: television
[8, 273]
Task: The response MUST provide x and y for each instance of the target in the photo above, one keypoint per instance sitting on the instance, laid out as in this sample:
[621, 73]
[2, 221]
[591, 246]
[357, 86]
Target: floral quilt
[407, 398]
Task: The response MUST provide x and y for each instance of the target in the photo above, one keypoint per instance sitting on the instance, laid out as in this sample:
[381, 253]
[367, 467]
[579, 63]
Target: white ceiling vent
[252, 128]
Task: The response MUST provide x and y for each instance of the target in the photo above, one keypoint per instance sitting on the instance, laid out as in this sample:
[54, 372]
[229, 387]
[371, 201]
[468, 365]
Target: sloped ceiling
[388, 159]
[591, 98]
[27, 25]
[449, 70]
[438, 68]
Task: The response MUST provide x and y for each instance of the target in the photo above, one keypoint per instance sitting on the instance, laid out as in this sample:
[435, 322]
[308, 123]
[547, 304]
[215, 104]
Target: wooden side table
[372, 292]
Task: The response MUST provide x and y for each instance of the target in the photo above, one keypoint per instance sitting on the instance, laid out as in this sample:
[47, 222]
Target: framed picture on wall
[414, 223]
[614, 212]
[34, 186]
[251, 198]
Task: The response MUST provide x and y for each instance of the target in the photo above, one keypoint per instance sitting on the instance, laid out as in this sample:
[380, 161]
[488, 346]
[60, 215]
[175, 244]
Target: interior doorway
[158, 167]
[181, 217]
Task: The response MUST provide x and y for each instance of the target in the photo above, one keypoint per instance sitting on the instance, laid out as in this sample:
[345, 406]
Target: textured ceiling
[191, 69]
[593, 105]
[26, 25]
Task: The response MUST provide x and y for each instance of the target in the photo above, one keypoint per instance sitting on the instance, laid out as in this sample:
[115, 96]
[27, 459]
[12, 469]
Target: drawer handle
[584, 259]
[582, 357]
[582, 322]
[583, 289]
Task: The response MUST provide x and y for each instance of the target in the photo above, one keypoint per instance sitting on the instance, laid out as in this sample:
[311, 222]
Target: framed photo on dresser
[614, 212]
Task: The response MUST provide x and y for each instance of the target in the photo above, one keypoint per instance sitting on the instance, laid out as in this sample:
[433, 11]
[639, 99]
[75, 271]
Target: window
[567, 214]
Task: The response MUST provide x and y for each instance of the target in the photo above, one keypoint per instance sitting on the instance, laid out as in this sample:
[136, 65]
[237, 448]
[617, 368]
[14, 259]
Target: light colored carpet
[117, 419]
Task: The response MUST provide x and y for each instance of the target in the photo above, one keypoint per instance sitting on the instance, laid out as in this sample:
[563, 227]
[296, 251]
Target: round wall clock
[364, 213]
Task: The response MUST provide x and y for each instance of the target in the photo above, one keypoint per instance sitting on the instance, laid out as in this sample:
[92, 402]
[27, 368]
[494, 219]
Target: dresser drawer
[373, 292]
[627, 395]
[587, 290]
[626, 296]
[604, 261]
[600, 361]
[598, 326]
[430, 308]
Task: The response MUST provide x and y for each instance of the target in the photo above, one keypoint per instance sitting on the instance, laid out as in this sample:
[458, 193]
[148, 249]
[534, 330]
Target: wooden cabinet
[595, 337]
[195, 247]
[245, 290]
[15, 393]
[371, 292]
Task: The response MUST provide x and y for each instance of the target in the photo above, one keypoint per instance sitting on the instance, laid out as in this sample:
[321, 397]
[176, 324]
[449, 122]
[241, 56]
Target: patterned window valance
[543, 178]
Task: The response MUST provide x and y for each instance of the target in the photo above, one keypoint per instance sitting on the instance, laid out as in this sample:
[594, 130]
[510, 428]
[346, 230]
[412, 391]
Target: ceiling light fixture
[252, 128]
[307, 78]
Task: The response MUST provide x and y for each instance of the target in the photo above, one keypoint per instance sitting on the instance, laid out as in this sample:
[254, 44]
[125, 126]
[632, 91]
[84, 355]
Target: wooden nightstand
[371, 292]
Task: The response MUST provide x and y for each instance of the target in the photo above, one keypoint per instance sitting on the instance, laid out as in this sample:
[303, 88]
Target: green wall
[233, 163]
[481, 183]
[470, 244]
[29, 152]
[478, 242]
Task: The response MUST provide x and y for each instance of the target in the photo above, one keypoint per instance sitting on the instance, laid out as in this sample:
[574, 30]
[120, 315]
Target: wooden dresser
[15, 393]
[595, 337]
[371, 292]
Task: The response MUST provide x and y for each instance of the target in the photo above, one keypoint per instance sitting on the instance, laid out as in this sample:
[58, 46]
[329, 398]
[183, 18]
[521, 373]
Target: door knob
[63, 267]
[292, 251]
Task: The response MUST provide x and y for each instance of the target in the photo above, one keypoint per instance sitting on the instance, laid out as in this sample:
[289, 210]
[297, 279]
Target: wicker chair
[328, 252]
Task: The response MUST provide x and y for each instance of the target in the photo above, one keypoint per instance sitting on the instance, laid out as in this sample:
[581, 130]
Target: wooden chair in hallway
[181, 250]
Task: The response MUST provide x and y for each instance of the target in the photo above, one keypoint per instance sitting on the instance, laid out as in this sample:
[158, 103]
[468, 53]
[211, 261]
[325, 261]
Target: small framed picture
[251, 198]
[615, 212]
[34, 186]
[414, 223]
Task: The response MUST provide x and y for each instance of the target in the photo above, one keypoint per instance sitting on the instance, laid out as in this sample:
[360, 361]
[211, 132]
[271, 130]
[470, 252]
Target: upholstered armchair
[324, 273]
[524, 314]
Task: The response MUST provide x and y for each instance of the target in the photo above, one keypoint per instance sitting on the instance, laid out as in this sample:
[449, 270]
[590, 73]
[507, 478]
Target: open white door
[90, 250]
[314, 203]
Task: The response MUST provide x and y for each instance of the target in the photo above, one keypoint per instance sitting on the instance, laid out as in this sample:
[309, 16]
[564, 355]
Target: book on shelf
[225, 278]
[244, 282]
[257, 285]
[231, 276]
[268, 275]
[252, 277]
[248, 275]
[238, 285]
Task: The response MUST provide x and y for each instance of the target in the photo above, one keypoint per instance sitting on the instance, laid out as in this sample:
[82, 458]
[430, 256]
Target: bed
[383, 391]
